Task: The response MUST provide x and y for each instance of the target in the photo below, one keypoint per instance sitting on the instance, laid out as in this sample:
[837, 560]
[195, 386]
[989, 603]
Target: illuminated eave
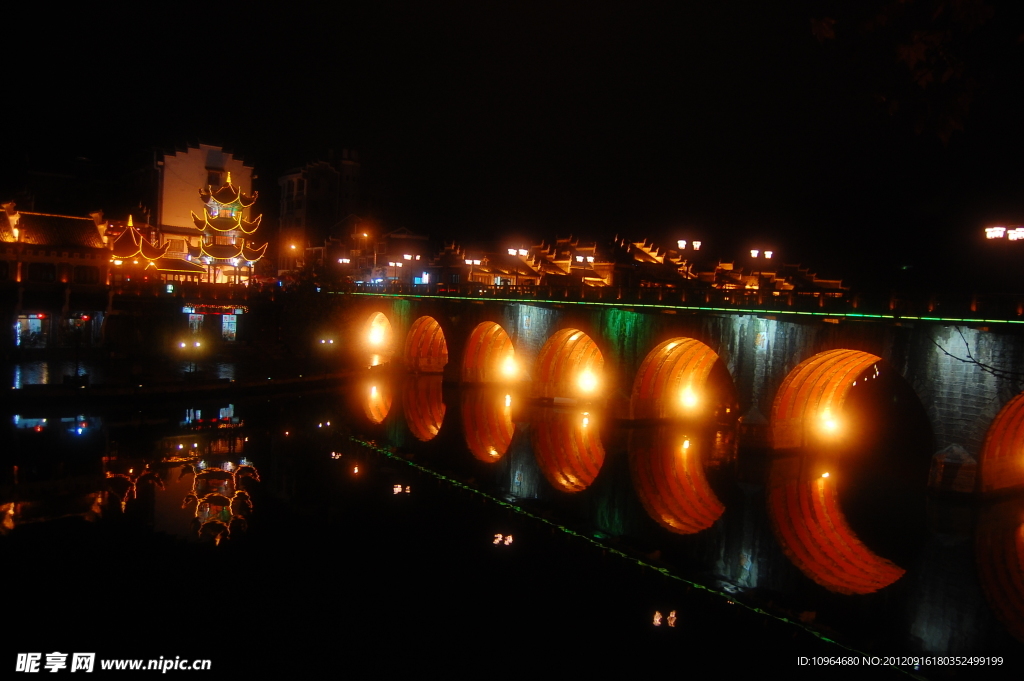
[228, 195]
[240, 225]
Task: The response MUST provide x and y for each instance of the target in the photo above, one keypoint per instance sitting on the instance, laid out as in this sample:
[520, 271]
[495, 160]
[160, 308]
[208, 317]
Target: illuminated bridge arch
[1002, 456]
[489, 355]
[569, 365]
[675, 380]
[812, 395]
[669, 478]
[379, 338]
[813, 532]
[426, 350]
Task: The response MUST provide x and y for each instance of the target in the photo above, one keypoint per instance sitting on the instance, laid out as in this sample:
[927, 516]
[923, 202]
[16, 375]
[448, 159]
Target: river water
[471, 526]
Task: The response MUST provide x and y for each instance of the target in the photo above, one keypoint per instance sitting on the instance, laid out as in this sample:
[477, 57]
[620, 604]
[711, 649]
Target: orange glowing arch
[669, 478]
[568, 449]
[424, 406]
[813, 532]
[487, 423]
[815, 391]
[425, 348]
[378, 402]
[488, 353]
[378, 337]
[673, 380]
[1002, 456]
[565, 357]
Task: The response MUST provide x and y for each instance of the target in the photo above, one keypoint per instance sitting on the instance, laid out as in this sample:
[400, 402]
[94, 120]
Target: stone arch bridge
[790, 370]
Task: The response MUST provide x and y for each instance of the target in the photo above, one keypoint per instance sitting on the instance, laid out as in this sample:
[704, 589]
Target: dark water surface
[373, 537]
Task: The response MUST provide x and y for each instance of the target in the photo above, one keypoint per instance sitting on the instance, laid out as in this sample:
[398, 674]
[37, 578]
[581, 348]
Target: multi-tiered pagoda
[225, 248]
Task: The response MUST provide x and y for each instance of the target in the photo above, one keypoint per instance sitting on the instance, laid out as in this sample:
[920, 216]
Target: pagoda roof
[227, 251]
[228, 225]
[166, 264]
[43, 229]
[132, 244]
[227, 194]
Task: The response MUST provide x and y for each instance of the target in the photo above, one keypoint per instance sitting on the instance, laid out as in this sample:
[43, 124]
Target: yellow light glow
[373, 391]
[508, 400]
[824, 475]
[686, 444]
[376, 335]
[586, 421]
[508, 367]
[587, 381]
[118, 262]
[828, 423]
[182, 345]
[689, 398]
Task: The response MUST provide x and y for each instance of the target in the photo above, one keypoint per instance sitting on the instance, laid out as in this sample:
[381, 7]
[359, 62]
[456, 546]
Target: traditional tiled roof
[43, 229]
[227, 194]
[131, 244]
[227, 251]
[176, 265]
[226, 225]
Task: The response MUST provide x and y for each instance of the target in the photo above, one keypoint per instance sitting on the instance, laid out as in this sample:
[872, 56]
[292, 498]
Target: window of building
[5, 270]
[228, 326]
[87, 274]
[195, 323]
[42, 272]
[213, 178]
[455, 279]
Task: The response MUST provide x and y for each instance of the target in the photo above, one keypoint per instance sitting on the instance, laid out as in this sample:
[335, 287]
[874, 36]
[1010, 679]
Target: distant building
[316, 200]
[54, 270]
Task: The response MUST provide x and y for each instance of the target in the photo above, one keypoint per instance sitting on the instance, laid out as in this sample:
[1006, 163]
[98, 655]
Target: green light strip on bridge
[694, 308]
[374, 447]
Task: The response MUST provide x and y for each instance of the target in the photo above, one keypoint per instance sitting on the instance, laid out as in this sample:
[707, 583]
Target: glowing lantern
[754, 252]
[681, 243]
[696, 245]
[689, 398]
[995, 232]
[508, 367]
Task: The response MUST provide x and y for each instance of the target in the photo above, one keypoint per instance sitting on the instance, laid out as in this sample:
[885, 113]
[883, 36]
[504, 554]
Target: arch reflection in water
[377, 399]
[569, 366]
[426, 350]
[814, 534]
[487, 422]
[681, 377]
[999, 547]
[379, 339]
[568, 447]
[489, 356]
[424, 406]
[668, 474]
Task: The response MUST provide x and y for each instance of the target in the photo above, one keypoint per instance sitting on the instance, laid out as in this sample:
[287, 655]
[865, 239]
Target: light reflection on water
[728, 540]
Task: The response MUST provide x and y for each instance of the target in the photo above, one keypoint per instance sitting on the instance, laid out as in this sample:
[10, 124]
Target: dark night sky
[728, 121]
